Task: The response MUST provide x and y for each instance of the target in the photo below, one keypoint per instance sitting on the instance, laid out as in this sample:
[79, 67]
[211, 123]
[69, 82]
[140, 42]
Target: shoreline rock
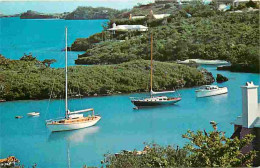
[220, 78]
[239, 68]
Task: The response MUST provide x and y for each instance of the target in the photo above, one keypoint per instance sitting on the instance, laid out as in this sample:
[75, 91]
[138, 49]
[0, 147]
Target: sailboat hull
[142, 103]
[54, 127]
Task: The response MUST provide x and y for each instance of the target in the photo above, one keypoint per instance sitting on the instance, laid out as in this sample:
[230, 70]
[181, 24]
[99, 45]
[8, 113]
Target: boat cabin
[209, 87]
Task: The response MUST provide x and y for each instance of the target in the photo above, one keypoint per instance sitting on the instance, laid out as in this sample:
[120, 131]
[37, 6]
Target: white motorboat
[33, 114]
[72, 120]
[211, 90]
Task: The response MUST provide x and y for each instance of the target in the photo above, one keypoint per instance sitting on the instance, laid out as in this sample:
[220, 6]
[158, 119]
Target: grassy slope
[208, 34]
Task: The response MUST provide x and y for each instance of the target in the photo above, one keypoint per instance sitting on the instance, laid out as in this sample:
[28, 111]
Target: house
[128, 28]
[150, 15]
[249, 122]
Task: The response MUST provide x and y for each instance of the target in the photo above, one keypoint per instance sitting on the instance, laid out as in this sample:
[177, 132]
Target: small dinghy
[211, 90]
[33, 114]
[18, 117]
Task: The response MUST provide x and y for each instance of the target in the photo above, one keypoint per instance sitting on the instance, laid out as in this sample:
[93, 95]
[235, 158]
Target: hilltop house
[150, 15]
[249, 122]
[128, 28]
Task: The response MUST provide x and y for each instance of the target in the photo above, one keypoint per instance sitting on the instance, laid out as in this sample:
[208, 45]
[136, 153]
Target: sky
[9, 7]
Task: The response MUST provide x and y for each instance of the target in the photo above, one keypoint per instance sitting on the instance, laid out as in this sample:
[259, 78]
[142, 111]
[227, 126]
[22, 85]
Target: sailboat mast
[66, 74]
[151, 75]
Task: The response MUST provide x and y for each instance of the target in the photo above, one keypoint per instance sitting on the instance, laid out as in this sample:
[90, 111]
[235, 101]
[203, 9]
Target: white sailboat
[154, 100]
[73, 120]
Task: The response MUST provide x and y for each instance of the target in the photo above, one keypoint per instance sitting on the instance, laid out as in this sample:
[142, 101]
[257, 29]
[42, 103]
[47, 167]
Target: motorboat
[211, 90]
[33, 114]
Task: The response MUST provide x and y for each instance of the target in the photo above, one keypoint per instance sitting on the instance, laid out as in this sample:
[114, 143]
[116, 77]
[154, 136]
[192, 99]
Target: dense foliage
[205, 149]
[82, 13]
[143, 10]
[29, 78]
[207, 34]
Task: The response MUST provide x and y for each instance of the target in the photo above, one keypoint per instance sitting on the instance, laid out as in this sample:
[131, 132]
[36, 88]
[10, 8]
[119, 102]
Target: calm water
[45, 39]
[121, 127]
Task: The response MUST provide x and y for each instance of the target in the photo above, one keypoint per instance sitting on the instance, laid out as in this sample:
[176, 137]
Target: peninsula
[29, 78]
[81, 13]
[36, 15]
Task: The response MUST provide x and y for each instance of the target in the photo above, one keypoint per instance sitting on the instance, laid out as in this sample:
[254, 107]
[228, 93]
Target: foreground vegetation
[205, 149]
[207, 34]
[29, 78]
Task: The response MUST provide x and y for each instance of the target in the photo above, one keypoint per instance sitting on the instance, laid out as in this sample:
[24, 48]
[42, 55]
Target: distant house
[150, 15]
[161, 16]
[135, 17]
[249, 122]
[128, 28]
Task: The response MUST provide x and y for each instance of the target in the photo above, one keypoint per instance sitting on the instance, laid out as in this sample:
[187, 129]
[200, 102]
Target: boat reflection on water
[73, 136]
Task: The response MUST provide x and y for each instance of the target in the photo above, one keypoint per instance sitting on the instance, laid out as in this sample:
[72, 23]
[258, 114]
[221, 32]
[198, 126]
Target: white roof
[160, 16]
[129, 27]
[239, 121]
[138, 17]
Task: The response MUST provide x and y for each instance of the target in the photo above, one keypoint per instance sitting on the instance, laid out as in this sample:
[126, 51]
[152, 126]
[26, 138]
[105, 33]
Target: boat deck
[74, 120]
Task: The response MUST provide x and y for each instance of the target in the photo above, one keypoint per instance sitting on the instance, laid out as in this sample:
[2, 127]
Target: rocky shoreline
[239, 68]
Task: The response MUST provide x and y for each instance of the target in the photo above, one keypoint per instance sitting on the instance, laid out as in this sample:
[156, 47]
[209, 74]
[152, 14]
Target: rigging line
[60, 103]
[54, 82]
[80, 97]
[47, 109]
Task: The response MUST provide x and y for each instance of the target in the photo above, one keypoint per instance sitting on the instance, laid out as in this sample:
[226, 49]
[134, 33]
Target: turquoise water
[45, 39]
[121, 126]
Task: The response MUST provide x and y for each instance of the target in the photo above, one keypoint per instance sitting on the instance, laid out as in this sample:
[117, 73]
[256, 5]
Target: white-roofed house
[128, 28]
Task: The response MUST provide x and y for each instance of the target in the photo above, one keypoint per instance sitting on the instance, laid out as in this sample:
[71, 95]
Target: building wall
[249, 106]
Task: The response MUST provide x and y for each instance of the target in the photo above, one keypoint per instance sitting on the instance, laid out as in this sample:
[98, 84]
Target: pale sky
[57, 6]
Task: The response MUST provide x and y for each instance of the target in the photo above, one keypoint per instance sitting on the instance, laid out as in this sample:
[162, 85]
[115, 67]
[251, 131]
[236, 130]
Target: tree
[251, 4]
[214, 149]
[48, 62]
[28, 57]
[153, 155]
[205, 149]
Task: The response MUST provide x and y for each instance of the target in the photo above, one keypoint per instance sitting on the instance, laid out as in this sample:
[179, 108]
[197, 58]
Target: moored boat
[211, 90]
[154, 100]
[33, 114]
[72, 120]
[18, 117]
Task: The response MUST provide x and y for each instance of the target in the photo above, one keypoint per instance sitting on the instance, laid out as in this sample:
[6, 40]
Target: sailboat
[72, 120]
[154, 100]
